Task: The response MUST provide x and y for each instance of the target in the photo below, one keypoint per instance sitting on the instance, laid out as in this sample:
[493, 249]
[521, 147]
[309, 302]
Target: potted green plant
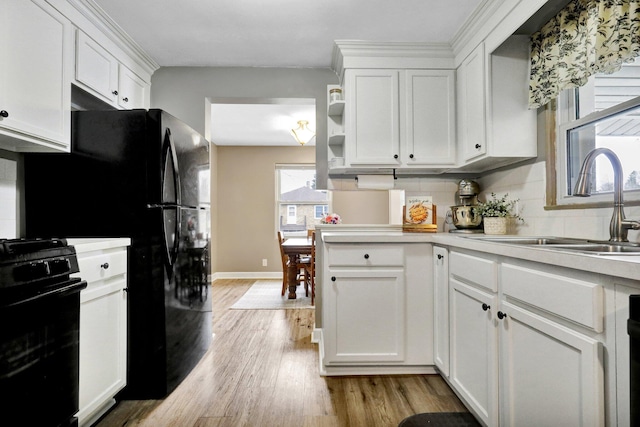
[496, 213]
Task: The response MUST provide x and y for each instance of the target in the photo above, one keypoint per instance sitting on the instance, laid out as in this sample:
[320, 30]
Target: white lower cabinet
[367, 317]
[551, 374]
[474, 349]
[377, 308]
[103, 326]
[521, 353]
[441, 309]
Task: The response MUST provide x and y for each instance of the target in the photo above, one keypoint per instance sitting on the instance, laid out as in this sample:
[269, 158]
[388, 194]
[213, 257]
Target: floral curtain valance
[585, 38]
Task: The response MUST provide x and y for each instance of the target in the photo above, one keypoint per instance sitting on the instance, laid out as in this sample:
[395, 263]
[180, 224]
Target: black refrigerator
[141, 174]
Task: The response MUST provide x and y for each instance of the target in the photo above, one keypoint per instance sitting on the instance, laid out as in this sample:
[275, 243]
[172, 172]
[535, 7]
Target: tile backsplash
[526, 183]
[8, 199]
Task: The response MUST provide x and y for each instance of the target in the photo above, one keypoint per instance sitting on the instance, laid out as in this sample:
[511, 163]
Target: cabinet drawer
[475, 270]
[573, 299]
[100, 265]
[355, 255]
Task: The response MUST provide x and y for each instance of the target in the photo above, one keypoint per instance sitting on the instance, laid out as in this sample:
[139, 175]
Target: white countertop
[98, 243]
[625, 266]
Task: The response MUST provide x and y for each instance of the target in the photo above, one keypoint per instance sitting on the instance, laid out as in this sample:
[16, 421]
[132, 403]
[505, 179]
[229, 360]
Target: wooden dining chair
[301, 267]
[310, 270]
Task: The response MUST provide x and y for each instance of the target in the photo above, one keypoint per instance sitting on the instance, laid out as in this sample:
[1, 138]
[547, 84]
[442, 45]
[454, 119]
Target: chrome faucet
[619, 225]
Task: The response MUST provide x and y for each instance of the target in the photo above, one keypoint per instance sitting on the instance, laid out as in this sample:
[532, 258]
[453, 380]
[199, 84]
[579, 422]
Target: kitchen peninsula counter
[624, 266]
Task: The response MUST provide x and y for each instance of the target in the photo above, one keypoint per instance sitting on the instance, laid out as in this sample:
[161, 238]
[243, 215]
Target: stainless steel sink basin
[523, 240]
[602, 248]
[567, 244]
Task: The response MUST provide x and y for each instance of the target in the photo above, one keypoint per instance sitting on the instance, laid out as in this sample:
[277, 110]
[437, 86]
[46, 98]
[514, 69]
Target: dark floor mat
[437, 419]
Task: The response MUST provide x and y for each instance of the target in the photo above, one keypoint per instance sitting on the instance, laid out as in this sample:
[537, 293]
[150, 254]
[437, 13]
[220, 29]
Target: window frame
[559, 124]
[292, 166]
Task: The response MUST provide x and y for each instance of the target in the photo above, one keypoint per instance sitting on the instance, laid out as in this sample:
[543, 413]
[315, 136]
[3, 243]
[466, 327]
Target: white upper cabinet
[101, 74]
[96, 69]
[133, 92]
[428, 117]
[372, 134]
[399, 118]
[495, 126]
[36, 61]
[471, 105]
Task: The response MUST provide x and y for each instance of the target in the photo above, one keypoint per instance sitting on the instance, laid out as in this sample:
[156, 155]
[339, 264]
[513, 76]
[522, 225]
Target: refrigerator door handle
[171, 192]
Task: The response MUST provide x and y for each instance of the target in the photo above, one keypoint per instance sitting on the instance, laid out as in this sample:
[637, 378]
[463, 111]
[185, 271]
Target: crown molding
[406, 55]
[98, 17]
[475, 27]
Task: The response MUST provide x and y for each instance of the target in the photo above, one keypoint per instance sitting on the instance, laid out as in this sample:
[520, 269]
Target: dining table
[294, 248]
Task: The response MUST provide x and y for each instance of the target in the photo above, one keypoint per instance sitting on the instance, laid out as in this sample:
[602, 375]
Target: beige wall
[246, 205]
[186, 92]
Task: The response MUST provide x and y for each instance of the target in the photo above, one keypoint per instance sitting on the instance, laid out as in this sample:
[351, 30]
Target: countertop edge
[99, 243]
[623, 266]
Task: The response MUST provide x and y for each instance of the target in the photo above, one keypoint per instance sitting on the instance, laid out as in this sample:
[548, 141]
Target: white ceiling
[275, 33]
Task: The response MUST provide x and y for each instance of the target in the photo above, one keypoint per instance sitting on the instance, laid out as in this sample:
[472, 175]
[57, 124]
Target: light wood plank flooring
[262, 370]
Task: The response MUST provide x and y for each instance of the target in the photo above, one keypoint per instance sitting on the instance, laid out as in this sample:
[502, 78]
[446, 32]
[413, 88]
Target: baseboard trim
[247, 275]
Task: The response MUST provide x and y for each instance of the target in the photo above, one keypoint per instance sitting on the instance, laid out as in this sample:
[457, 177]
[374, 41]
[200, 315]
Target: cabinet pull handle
[501, 315]
[486, 307]
[105, 265]
[395, 156]
[440, 256]
[478, 146]
[125, 99]
[4, 113]
[411, 156]
[366, 256]
[333, 278]
[115, 92]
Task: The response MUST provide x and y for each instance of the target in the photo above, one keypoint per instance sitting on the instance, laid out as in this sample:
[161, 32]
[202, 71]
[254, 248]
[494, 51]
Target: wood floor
[262, 370]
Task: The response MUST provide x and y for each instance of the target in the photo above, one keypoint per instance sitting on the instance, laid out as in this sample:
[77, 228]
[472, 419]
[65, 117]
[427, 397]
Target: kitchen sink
[523, 240]
[567, 244]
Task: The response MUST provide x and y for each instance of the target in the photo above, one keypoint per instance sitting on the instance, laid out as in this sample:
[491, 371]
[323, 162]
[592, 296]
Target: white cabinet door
[372, 134]
[133, 91]
[552, 375]
[471, 105]
[428, 117]
[441, 309]
[36, 58]
[474, 349]
[103, 329]
[103, 339]
[365, 316]
[96, 69]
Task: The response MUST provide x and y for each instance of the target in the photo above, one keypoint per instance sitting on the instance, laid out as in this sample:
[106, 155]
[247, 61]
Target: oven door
[39, 352]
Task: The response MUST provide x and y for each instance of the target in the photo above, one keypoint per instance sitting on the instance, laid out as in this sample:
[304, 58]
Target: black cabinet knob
[125, 99]
[333, 278]
[115, 92]
[478, 146]
[125, 289]
[395, 156]
[485, 307]
[4, 113]
[366, 256]
[105, 265]
[501, 315]
[440, 256]
[411, 156]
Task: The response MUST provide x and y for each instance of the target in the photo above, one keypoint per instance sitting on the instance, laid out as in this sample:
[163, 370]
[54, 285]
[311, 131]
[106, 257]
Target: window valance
[585, 38]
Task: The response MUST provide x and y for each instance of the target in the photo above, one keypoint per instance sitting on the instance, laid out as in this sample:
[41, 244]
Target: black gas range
[39, 332]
